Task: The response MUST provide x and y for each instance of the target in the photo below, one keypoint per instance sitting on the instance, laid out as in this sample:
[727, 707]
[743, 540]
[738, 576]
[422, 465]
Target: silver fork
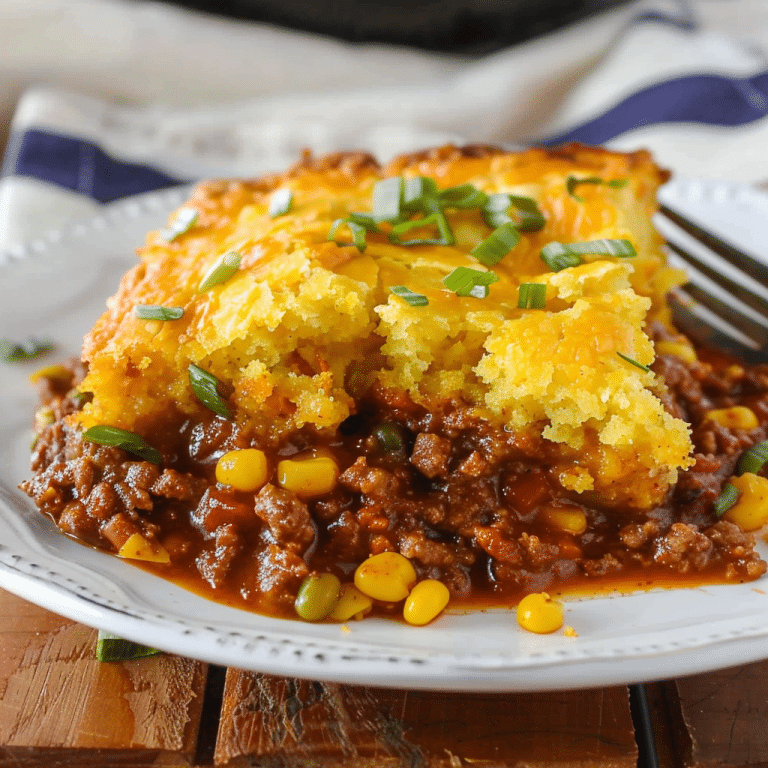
[725, 301]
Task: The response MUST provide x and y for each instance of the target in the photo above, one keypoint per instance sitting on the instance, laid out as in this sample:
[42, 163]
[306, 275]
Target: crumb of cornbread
[283, 331]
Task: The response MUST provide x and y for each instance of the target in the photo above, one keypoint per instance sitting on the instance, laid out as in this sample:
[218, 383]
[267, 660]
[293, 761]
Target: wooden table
[61, 707]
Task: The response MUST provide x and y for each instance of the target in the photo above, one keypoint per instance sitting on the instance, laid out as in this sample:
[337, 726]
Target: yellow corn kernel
[387, 576]
[425, 601]
[736, 417]
[750, 512]
[244, 470]
[308, 477]
[539, 613]
[567, 519]
[137, 547]
[352, 604]
[677, 348]
[55, 372]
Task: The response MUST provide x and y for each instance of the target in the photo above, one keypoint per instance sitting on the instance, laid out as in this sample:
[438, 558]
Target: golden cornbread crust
[502, 448]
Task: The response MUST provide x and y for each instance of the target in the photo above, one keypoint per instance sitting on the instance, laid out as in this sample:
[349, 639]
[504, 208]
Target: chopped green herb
[558, 256]
[572, 182]
[465, 281]
[633, 362]
[155, 312]
[418, 194]
[186, 218]
[463, 196]
[221, 270]
[11, 352]
[532, 296]
[727, 498]
[497, 245]
[280, 202]
[103, 434]
[495, 212]
[437, 220]
[753, 459]
[358, 224]
[387, 195]
[113, 648]
[205, 386]
[408, 296]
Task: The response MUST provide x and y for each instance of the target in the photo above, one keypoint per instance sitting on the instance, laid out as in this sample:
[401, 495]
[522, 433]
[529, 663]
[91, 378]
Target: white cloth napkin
[161, 95]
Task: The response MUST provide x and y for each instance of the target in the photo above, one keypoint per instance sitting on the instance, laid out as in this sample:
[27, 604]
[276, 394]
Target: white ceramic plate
[56, 287]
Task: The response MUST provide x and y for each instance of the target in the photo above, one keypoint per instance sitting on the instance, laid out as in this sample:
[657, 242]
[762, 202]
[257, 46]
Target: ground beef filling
[469, 503]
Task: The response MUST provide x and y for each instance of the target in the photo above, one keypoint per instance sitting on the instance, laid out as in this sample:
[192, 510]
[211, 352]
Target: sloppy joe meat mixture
[470, 504]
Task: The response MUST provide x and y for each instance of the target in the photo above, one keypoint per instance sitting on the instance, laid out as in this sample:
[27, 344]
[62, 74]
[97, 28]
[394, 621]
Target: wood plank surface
[59, 706]
[270, 721]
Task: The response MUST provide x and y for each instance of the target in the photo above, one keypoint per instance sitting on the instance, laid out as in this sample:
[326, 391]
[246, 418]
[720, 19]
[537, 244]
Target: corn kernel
[137, 547]
[352, 604]
[54, 372]
[425, 601]
[750, 512]
[244, 470]
[539, 613]
[387, 576]
[736, 417]
[567, 519]
[308, 477]
[677, 348]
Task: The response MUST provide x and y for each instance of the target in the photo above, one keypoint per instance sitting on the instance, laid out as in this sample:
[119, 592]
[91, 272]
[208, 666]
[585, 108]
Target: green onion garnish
[205, 387]
[387, 195]
[155, 312]
[113, 648]
[103, 434]
[463, 196]
[11, 352]
[465, 281]
[358, 224]
[558, 256]
[221, 270]
[186, 218]
[727, 498]
[280, 202]
[633, 362]
[572, 182]
[495, 212]
[753, 459]
[408, 296]
[497, 245]
[417, 192]
[532, 296]
[437, 219]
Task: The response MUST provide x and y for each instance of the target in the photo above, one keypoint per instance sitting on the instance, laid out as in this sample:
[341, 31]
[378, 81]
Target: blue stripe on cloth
[708, 99]
[81, 166]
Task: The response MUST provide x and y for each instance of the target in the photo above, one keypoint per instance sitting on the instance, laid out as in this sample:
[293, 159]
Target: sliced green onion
[463, 196]
[358, 224]
[280, 202]
[558, 256]
[417, 191]
[436, 219]
[495, 212]
[727, 498]
[221, 270]
[572, 182]
[113, 648]
[497, 245]
[205, 386]
[387, 195]
[155, 312]
[186, 218]
[532, 296]
[103, 434]
[408, 296]
[753, 459]
[465, 281]
[11, 352]
[633, 362]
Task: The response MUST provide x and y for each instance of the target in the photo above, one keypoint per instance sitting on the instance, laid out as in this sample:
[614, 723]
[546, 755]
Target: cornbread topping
[464, 358]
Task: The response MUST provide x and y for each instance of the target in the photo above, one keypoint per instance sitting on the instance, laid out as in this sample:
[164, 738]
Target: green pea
[317, 596]
[390, 437]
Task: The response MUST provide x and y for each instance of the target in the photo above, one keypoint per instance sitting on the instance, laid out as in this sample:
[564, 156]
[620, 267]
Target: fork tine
[742, 261]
